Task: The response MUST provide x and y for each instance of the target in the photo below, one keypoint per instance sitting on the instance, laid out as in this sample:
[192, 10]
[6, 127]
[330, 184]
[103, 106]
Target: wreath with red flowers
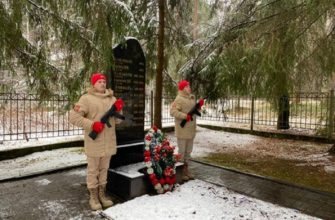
[160, 160]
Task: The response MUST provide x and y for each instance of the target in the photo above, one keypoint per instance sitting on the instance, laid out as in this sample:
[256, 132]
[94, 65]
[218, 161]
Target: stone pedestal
[131, 181]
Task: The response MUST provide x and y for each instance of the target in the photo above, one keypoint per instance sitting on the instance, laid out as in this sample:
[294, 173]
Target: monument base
[130, 181]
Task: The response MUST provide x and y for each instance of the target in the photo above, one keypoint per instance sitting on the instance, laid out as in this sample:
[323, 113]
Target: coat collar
[184, 94]
[108, 93]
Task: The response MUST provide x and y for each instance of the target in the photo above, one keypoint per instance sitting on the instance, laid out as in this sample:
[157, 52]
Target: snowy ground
[305, 152]
[11, 145]
[40, 162]
[211, 141]
[206, 141]
[193, 200]
[199, 200]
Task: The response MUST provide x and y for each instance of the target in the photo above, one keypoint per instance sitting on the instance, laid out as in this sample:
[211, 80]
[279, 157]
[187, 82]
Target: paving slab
[313, 202]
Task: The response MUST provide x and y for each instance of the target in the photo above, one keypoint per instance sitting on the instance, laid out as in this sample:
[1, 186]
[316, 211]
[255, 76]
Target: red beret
[96, 76]
[182, 84]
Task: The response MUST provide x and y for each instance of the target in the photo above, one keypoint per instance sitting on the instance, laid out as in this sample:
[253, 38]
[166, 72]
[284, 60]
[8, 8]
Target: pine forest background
[263, 48]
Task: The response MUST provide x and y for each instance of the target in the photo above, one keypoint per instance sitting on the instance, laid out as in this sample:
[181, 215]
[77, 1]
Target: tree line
[257, 47]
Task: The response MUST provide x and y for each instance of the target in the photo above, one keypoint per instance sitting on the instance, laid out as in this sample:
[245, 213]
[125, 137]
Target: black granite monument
[127, 79]
[126, 176]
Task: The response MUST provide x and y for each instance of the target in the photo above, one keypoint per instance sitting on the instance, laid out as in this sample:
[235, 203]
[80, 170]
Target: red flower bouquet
[160, 160]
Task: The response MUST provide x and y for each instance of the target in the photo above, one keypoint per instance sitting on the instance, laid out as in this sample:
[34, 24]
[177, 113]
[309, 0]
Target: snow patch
[54, 208]
[131, 170]
[199, 200]
[79, 217]
[43, 182]
[80, 172]
[10, 145]
[41, 161]
[330, 169]
[210, 141]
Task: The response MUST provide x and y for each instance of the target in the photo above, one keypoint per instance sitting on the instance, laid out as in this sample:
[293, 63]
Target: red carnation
[152, 176]
[162, 181]
[148, 138]
[156, 157]
[146, 153]
[168, 180]
[155, 128]
[158, 149]
[154, 181]
[177, 157]
[168, 171]
[170, 149]
[166, 143]
[146, 159]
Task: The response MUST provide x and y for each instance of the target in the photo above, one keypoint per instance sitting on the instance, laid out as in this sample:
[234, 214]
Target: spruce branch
[83, 33]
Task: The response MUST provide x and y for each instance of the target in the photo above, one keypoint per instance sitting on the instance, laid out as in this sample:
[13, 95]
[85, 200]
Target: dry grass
[304, 170]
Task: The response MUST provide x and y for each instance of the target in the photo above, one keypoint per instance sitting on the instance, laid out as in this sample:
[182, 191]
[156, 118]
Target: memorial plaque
[127, 80]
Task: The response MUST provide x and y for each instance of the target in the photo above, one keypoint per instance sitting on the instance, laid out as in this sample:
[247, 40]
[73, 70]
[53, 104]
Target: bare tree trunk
[283, 113]
[160, 66]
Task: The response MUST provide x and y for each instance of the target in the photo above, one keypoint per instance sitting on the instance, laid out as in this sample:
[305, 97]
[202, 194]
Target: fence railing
[309, 112]
[25, 117]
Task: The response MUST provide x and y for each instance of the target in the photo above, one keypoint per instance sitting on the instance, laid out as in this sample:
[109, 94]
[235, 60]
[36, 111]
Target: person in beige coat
[87, 113]
[180, 107]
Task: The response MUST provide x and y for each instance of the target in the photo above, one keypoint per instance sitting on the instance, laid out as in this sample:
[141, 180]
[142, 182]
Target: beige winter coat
[179, 109]
[90, 108]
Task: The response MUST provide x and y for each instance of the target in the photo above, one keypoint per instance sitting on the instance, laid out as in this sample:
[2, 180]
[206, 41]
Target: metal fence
[149, 110]
[312, 112]
[25, 117]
